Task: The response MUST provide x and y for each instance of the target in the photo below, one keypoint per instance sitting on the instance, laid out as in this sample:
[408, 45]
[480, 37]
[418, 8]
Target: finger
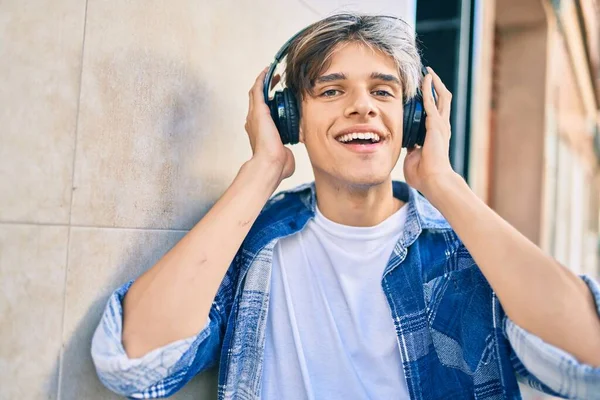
[444, 95]
[439, 87]
[256, 89]
[428, 100]
[257, 95]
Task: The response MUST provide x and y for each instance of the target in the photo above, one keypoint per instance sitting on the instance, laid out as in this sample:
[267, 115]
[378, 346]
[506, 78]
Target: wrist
[267, 172]
[440, 186]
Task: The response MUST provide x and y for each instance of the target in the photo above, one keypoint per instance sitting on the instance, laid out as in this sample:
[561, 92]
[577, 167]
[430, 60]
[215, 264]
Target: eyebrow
[385, 77]
[338, 76]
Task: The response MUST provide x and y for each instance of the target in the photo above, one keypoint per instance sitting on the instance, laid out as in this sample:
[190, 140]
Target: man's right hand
[265, 141]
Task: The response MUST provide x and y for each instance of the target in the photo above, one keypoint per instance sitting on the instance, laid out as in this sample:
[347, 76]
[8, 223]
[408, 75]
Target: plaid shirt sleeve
[165, 370]
[550, 369]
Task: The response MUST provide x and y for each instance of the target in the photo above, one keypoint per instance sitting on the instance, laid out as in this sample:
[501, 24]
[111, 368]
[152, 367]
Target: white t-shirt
[330, 333]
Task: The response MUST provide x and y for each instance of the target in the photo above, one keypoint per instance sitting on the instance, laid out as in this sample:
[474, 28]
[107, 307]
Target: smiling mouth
[362, 145]
[363, 138]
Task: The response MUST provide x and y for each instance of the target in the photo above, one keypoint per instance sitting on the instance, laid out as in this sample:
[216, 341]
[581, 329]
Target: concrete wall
[543, 166]
[120, 125]
[519, 125]
[481, 109]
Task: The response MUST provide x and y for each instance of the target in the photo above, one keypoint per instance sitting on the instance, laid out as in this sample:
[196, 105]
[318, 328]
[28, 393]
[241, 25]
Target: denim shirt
[454, 337]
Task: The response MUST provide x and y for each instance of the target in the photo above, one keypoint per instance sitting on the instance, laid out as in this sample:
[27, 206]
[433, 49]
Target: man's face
[360, 93]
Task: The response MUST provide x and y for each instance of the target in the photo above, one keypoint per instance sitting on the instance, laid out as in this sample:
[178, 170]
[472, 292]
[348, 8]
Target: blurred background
[121, 123]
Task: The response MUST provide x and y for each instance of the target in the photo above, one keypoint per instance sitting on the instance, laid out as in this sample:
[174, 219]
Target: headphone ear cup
[277, 110]
[414, 118]
[407, 133]
[414, 122]
[292, 117]
[419, 119]
[284, 112]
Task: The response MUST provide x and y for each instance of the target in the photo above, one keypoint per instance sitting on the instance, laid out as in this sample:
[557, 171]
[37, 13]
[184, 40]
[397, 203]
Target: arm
[537, 293]
[171, 301]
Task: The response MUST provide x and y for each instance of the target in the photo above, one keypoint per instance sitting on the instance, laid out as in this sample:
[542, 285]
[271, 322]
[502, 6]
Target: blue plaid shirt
[456, 342]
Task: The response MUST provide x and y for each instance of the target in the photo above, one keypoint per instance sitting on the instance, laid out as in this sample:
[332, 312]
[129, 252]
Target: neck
[356, 205]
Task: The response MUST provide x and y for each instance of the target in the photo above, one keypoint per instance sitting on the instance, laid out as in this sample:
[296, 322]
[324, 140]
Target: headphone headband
[282, 52]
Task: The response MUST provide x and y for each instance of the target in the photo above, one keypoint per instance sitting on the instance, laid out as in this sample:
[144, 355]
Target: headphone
[285, 113]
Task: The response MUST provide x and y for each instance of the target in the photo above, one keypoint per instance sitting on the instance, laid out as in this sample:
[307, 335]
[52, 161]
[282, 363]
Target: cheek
[313, 126]
[393, 111]
[393, 118]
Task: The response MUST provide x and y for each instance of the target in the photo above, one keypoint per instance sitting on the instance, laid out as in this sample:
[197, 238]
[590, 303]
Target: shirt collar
[288, 212]
[420, 210]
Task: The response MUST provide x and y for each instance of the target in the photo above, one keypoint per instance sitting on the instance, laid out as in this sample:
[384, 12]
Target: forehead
[358, 59]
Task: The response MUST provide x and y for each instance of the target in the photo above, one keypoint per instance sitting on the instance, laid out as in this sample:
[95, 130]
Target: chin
[366, 180]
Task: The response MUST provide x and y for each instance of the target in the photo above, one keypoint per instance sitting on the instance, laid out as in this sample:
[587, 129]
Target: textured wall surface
[120, 125]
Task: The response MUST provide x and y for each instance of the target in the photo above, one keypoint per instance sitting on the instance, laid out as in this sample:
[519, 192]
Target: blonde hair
[310, 53]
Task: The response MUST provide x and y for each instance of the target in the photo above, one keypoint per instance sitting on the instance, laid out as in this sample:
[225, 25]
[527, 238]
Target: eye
[330, 93]
[382, 93]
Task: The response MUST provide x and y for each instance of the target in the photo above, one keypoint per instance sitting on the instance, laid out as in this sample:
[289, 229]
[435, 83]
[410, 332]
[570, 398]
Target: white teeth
[366, 135]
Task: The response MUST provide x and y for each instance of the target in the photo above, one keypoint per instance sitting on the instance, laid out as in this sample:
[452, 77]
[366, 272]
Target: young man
[354, 286]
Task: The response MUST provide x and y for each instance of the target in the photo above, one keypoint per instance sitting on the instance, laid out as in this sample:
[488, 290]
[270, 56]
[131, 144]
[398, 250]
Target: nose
[361, 104]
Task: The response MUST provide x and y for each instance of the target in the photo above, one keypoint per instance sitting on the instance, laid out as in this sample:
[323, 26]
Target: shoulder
[429, 217]
[284, 213]
[442, 252]
[299, 196]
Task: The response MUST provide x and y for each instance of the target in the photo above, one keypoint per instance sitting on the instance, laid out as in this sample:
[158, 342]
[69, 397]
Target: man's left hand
[426, 166]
